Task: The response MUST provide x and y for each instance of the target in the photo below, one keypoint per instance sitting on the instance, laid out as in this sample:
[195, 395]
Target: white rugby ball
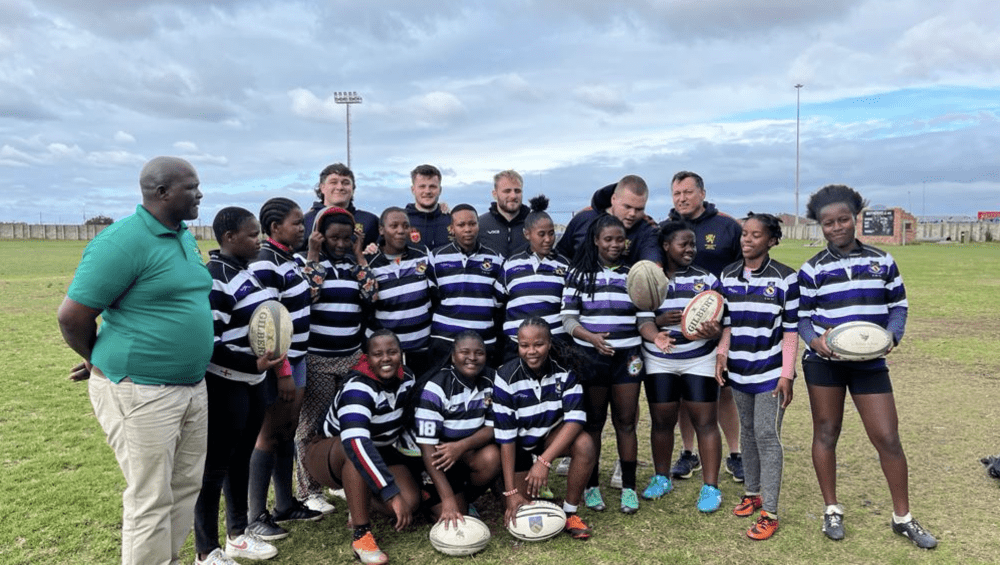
[464, 539]
[858, 341]
[538, 521]
[270, 329]
[705, 306]
[646, 285]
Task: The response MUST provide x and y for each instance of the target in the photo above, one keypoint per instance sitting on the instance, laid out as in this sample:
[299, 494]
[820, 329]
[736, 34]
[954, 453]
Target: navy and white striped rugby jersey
[533, 287]
[404, 297]
[337, 319]
[684, 285]
[235, 294]
[468, 291]
[527, 407]
[449, 408]
[761, 309]
[608, 309]
[275, 268]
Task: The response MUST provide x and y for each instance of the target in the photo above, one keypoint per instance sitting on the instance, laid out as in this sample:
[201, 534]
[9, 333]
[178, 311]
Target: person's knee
[583, 447]
[888, 445]
[826, 434]
[625, 424]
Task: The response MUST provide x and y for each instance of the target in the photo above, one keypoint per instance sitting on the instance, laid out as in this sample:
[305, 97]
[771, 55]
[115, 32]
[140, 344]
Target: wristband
[544, 462]
[510, 492]
[285, 370]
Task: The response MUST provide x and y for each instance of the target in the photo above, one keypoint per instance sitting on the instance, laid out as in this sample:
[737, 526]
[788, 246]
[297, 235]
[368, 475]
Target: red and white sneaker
[764, 527]
[367, 551]
[750, 504]
[576, 528]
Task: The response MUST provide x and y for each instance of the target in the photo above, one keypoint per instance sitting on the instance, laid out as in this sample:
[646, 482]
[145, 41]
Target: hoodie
[717, 236]
[641, 237]
[506, 237]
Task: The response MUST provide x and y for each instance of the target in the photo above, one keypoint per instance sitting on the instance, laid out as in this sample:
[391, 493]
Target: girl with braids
[273, 456]
[599, 315]
[343, 291]
[533, 279]
[678, 368]
[538, 412]
[850, 281]
[757, 349]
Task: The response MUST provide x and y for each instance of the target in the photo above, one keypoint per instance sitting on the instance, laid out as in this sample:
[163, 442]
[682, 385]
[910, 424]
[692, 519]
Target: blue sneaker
[658, 486]
[630, 501]
[710, 499]
[593, 499]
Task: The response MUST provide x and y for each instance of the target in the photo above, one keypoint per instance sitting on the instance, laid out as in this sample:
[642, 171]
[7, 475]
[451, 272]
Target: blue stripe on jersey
[761, 309]
[336, 319]
[534, 287]
[277, 269]
[526, 408]
[862, 286]
[235, 294]
[468, 290]
[680, 290]
[449, 409]
[608, 309]
[404, 298]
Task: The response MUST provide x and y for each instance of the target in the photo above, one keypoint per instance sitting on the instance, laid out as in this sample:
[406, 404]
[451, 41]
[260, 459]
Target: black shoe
[686, 465]
[734, 466]
[264, 527]
[298, 512]
[833, 525]
[912, 530]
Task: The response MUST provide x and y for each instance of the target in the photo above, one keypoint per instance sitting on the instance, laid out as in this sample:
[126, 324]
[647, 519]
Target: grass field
[61, 488]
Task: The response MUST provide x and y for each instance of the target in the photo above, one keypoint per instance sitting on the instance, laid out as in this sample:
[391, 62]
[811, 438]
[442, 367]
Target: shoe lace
[707, 493]
[574, 522]
[629, 497]
[915, 527]
[366, 543]
[834, 519]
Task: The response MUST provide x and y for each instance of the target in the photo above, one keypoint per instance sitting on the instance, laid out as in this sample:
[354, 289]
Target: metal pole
[348, 136]
[347, 98]
[798, 91]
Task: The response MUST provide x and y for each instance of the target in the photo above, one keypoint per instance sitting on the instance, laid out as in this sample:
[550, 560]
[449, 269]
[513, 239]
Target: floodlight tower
[347, 98]
[798, 91]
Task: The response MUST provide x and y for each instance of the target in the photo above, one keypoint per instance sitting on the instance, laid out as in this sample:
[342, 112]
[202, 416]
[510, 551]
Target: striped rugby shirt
[608, 309]
[368, 414]
[527, 407]
[275, 268]
[865, 285]
[336, 319]
[761, 309]
[533, 287]
[450, 409]
[235, 294]
[468, 291]
[404, 297]
[684, 285]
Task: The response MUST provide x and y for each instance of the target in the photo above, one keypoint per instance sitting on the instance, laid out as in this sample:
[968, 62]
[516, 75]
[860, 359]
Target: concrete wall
[72, 232]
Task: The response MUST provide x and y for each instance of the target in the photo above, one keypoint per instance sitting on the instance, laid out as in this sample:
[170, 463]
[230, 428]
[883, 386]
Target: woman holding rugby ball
[850, 281]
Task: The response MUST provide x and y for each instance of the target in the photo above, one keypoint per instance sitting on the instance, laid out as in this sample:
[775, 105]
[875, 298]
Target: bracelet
[544, 462]
[510, 492]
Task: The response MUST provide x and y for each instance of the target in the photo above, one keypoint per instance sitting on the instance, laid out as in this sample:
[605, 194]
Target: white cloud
[124, 137]
[185, 146]
[307, 105]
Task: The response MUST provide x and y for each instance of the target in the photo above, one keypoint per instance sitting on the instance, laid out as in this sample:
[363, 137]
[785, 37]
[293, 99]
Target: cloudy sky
[901, 99]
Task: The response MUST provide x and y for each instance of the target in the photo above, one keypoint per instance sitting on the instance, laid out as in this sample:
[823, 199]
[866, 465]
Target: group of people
[438, 353]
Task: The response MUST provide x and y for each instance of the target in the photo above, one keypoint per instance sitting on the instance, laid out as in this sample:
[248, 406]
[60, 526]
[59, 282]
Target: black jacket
[503, 236]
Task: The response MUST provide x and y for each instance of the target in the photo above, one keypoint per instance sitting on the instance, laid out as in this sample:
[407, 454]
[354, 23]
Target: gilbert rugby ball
[270, 329]
[465, 539]
[646, 285]
[858, 341]
[705, 306]
[538, 521]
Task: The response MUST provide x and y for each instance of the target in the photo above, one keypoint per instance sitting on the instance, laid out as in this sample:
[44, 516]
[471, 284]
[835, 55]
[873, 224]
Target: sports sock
[901, 519]
[595, 477]
[261, 465]
[360, 531]
[628, 474]
[569, 508]
[770, 515]
[834, 509]
[284, 496]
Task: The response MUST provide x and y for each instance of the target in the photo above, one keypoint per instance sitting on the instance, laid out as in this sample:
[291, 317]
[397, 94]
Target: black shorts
[858, 380]
[662, 388]
[524, 459]
[458, 478]
[622, 368]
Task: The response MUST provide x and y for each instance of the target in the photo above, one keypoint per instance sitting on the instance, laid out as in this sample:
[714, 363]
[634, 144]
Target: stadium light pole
[347, 98]
[798, 92]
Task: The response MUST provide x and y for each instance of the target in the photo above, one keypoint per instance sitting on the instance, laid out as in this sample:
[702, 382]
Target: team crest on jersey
[415, 235]
[486, 266]
[358, 228]
[634, 365]
[421, 268]
[709, 241]
[487, 398]
[628, 245]
[451, 232]
[698, 286]
[560, 271]
[874, 268]
[770, 290]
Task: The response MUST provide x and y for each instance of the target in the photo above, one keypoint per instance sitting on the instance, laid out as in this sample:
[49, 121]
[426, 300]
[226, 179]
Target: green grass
[61, 487]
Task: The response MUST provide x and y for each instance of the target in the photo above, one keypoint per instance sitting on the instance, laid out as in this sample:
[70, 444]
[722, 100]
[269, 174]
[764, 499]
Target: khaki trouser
[159, 435]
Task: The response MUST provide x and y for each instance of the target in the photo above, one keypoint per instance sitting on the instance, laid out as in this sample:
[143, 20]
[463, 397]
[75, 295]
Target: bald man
[145, 276]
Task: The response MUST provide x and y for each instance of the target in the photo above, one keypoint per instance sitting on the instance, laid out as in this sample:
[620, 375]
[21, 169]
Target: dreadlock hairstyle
[770, 222]
[539, 205]
[274, 211]
[229, 219]
[586, 262]
[832, 194]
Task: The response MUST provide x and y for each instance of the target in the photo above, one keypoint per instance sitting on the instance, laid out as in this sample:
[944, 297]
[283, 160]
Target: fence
[72, 231]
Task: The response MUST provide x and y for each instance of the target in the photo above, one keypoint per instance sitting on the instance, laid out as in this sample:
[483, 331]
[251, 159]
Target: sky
[900, 99]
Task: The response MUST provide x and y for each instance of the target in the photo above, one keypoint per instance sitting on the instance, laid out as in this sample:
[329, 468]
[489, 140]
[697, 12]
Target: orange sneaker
[576, 528]
[764, 527]
[367, 551]
[750, 504]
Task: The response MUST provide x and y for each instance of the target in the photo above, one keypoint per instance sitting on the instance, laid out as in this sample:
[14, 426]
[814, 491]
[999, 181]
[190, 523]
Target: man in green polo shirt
[146, 279]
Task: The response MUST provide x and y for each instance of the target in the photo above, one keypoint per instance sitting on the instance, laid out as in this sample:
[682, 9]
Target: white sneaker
[217, 557]
[563, 467]
[336, 493]
[616, 476]
[249, 546]
[319, 504]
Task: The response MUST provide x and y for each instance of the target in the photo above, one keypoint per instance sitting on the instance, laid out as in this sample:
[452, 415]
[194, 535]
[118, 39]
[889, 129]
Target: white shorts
[703, 366]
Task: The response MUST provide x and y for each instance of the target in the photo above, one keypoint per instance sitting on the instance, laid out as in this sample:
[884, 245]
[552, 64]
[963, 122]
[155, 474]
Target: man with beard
[502, 227]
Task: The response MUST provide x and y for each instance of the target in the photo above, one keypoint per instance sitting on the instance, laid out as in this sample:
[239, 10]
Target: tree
[99, 221]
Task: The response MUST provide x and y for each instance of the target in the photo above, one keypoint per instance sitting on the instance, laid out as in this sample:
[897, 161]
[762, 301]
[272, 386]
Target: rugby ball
[858, 341]
[646, 285]
[704, 307]
[538, 521]
[270, 329]
[464, 539]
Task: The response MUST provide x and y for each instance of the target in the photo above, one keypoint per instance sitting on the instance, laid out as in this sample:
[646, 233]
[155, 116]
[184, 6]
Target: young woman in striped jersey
[538, 416]
[758, 349]
[356, 443]
[678, 368]
[453, 425]
[850, 281]
[404, 290]
[599, 315]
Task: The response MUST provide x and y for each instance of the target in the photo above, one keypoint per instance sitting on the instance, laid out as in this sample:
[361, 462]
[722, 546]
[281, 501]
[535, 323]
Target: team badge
[699, 286]
[451, 232]
[560, 271]
[414, 235]
[628, 245]
[770, 290]
[358, 228]
[634, 365]
[535, 524]
[874, 268]
[487, 399]
[421, 268]
[710, 241]
[486, 265]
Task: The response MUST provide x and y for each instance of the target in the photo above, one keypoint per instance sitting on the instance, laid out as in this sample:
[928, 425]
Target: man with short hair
[502, 227]
[147, 280]
[625, 200]
[429, 225]
[336, 188]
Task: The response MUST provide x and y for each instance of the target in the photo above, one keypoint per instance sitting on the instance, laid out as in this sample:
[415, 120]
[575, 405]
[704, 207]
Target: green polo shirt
[151, 286]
